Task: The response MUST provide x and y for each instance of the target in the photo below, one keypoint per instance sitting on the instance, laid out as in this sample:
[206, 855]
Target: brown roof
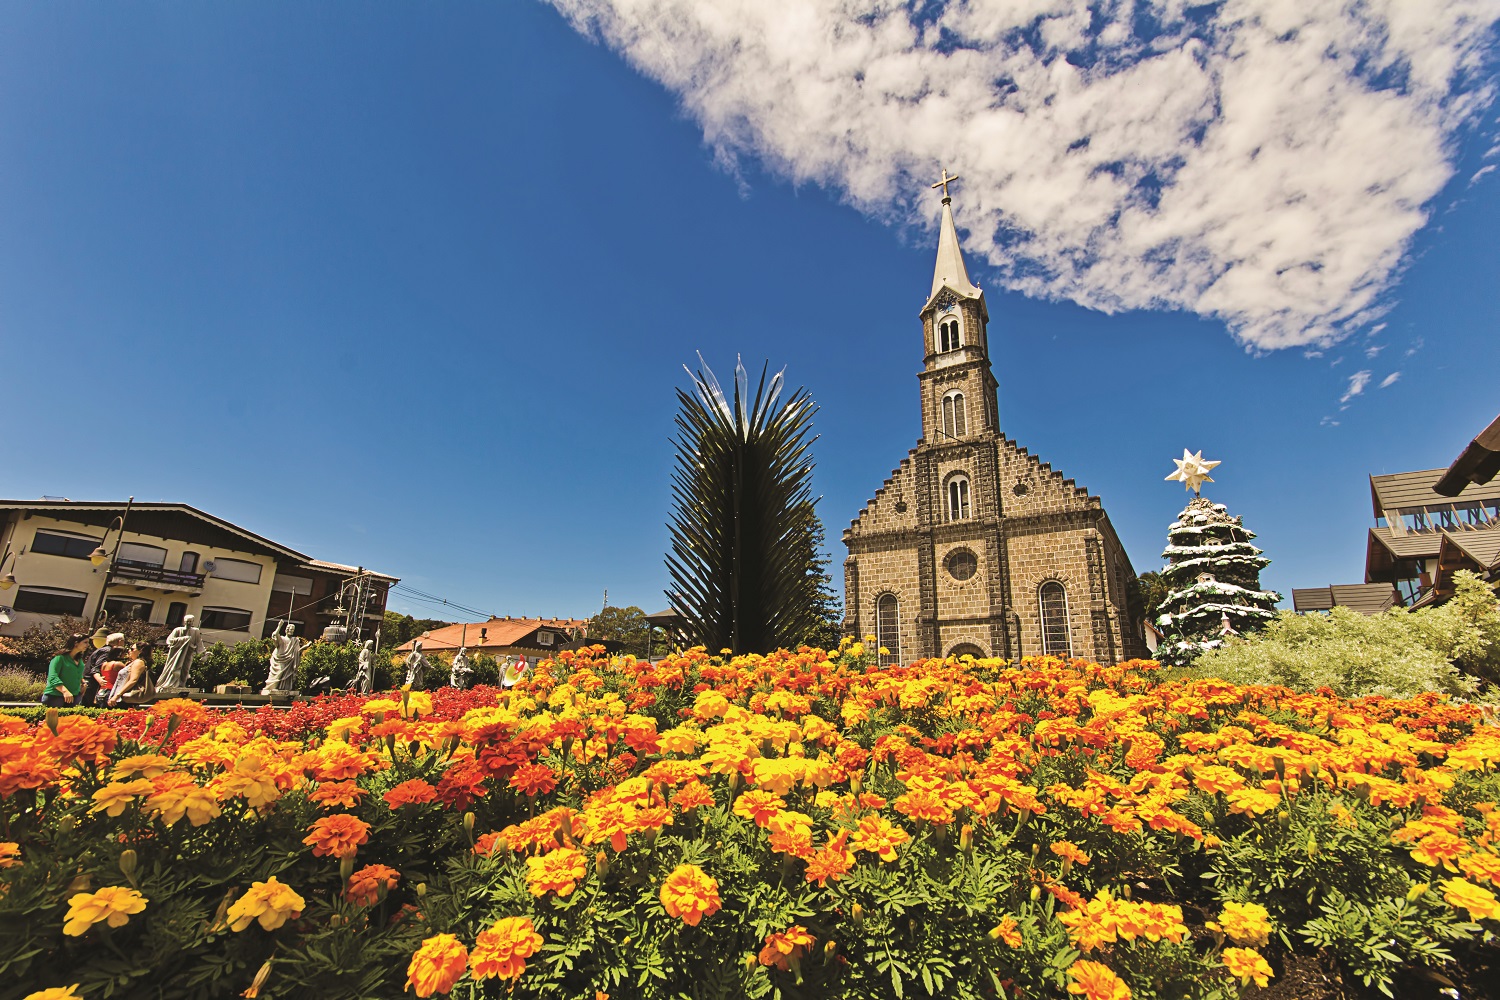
[164, 520]
[499, 633]
[1407, 545]
[1415, 489]
[1366, 598]
[1482, 546]
[1478, 463]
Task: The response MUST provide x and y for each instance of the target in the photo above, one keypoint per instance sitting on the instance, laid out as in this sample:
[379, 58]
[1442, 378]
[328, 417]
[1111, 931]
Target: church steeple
[950, 271]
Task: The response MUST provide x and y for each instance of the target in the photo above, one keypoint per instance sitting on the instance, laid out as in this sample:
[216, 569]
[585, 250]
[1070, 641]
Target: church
[973, 545]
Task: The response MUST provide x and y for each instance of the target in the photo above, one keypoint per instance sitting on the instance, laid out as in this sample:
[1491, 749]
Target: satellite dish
[7, 615]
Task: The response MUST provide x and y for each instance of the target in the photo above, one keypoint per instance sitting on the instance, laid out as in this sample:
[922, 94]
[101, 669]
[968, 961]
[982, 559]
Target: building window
[189, 563]
[127, 609]
[967, 649]
[236, 569]
[955, 416]
[142, 555]
[962, 565]
[226, 619]
[1056, 640]
[300, 585]
[176, 611]
[958, 498]
[948, 336]
[888, 629]
[51, 601]
[64, 543]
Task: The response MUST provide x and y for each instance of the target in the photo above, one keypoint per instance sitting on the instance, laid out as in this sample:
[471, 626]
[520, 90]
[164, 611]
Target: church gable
[1030, 486]
[894, 506]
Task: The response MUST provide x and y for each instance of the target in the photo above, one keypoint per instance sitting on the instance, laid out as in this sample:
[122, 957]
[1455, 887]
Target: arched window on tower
[948, 336]
[958, 498]
[1056, 636]
[888, 629]
[955, 416]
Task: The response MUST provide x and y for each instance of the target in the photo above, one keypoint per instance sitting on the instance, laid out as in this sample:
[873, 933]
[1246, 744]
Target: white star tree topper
[1192, 471]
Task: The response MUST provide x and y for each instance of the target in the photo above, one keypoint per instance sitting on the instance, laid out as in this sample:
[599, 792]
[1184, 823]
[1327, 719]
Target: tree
[1212, 578]
[828, 608]
[1147, 592]
[398, 628]
[1397, 653]
[42, 641]
[741, 534]
[626, 626]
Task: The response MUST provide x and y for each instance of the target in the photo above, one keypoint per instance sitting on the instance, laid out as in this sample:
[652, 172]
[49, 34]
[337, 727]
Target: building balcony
[150, 575]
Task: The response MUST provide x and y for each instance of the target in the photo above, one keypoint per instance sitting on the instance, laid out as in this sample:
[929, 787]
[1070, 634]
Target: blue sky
[411, 286]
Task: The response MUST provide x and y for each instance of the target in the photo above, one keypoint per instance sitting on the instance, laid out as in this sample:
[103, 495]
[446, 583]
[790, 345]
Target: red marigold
[338, 835]
[410, 793]
[534, 779]
[345, 794]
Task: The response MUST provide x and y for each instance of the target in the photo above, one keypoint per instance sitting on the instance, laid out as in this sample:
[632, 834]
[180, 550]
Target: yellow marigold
[338, 835]
[1096, 981]
[112, 905]
[271, 902]
[115, 796]
[1213, 778]
[10, 854]
[56, 993]
[1252, 801]
[1479, 901]
[1245, 923]
[1480, 867]
[416, 704]
[690, 893]
[437, 965]
[502, 950]
[174, 799]
[557, 871]
[147, 765]
[1069, 850]
[879, 835]
[1246, 964]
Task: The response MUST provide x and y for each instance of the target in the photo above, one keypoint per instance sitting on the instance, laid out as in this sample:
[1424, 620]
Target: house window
[888, 629]
[64, 543]
[962, 565]
[1056, 640]
[142, 555]
[189, 563]
[127, 609]
[226, 619]
[284, 584]
[51, 601]
[236, 569]
[955, 418]
[948, 336]
[958, 498]
[176, 611]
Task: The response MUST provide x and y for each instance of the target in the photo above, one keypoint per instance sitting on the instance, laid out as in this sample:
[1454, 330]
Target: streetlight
[98, 557]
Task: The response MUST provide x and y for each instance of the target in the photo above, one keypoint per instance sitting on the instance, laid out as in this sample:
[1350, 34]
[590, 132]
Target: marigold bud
[52, 720]
[258, 981]
[469, 824]
[421, 890]
[857, 912]
[830, 948]
[1036, 893]
[601, 864]
[966, 838]
[346, 867]
[128, 862]
[1415, 891]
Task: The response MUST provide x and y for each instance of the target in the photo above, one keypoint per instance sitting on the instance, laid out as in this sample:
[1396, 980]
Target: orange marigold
[10, 854]
[690, 893]
[692, 795]
[534, 780]
[1070, 851]
[1440, 849]
[786, 948]
[409, 793]
[832, 861]
[1008, 931]
[338, 835]
[758, 806]
[345, 794]
[437, 965]
[1096, 981]
[879, 835]
[501, 951]
[365, 884]
[557, 871]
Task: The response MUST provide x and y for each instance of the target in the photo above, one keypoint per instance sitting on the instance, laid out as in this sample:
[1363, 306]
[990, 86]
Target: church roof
[950, 271]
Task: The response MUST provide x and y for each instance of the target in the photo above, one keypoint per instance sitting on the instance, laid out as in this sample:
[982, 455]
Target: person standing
[133, 684]
[65, 673]
[94, 678]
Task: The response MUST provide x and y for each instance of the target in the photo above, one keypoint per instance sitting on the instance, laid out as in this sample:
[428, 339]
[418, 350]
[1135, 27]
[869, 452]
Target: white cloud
[1263, 161]
[1373, 350]
[1357, 383]
[1390, 380]
[1488, 168]
[1328, 422]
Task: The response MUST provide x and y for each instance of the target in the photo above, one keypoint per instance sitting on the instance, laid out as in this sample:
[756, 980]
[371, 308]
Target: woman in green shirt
[65, 673]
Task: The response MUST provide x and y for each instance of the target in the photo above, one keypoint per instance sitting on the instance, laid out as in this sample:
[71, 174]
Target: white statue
[459, 676]
[285, 659]
[184, 643]
[416, 665]
[364, 678]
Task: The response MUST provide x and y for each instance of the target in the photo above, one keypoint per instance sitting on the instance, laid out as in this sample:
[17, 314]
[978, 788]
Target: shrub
[1398, 653]
[20, 685]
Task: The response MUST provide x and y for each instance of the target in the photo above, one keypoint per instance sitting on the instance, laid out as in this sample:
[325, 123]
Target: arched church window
[967, 649]
[955, 415]
[958, 498]
[888, 629]
[1056, 636]
[948, 336]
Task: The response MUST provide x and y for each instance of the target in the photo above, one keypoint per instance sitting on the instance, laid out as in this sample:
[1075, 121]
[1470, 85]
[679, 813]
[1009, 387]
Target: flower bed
[801, 824]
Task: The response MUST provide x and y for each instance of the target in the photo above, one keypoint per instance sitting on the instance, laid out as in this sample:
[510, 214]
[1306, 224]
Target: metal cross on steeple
[943, 183]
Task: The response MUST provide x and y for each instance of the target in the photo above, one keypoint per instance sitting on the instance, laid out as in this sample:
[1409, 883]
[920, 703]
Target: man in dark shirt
[113, 649]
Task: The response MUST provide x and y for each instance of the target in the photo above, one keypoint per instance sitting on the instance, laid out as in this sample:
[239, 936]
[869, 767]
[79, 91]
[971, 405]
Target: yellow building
[152, 562]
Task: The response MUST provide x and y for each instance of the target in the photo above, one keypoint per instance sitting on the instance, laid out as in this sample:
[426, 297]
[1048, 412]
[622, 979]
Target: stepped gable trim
[869, 506]
[1045, 469]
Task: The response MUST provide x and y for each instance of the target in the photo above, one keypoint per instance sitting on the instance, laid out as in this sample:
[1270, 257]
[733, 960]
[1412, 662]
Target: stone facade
[971, 535]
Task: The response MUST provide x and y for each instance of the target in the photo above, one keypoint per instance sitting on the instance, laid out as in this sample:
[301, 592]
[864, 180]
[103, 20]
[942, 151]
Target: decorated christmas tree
[1212, 574]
